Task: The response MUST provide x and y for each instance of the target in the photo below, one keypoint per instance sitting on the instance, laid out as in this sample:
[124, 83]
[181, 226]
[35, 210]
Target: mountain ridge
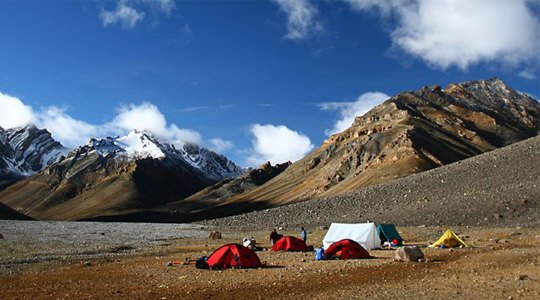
[409, 133]
[117, 175]
[26, 150]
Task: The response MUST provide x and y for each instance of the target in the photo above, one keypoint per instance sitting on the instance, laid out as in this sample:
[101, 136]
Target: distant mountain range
[138, 178]
[115, 175]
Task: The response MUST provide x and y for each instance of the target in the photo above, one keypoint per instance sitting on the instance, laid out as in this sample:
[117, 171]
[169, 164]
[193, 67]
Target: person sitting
[273, 236]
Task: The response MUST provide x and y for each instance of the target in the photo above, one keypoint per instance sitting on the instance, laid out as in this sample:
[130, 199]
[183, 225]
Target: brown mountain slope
[117, 176]
[233, 186]
[87, 185]
[409, 133]
[498, 188]
[7, 213]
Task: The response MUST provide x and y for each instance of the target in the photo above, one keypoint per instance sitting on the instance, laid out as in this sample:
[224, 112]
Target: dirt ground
[503, 264]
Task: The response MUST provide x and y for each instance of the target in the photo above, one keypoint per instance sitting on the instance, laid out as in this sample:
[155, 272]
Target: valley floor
[503, 264]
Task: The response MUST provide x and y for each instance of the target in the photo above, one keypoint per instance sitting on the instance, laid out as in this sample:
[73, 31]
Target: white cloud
[301, 18]
[461, 33]
[69, 131]
[13, 112]
[220, 145]
[124, 14]
[166, 6]
[179, 136]
[129, 13]
[527, 74]
[277, 144]
[349, 110]
[146, 116]
[72, 132]
[193, 108]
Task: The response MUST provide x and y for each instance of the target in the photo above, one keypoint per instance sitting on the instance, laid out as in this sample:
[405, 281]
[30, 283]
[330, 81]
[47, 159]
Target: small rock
[123, 248]
[523, 277]
[408, 253]
[215, 235]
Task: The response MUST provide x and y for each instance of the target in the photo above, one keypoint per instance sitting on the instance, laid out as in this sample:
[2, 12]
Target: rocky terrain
[225, 189]
[24, 151]
[498, 188]
[26, 242]
[114, 176]
[131, 261]
[411, 132]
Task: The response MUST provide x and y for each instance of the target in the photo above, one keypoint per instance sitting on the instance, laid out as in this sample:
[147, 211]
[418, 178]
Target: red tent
[289, 243]
[345, 249]
[233, 256]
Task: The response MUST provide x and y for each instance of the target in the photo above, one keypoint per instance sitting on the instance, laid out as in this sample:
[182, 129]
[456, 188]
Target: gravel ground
[26, 242]
[499, 188]
[503, 264]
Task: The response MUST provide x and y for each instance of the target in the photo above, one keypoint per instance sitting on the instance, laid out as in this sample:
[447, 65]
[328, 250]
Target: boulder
[409, 253]
[215, 235]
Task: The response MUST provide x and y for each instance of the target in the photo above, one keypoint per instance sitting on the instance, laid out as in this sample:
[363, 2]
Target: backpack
[200, 263]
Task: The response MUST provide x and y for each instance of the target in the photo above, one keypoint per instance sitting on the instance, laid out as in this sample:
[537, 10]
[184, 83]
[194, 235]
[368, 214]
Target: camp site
[472, 260]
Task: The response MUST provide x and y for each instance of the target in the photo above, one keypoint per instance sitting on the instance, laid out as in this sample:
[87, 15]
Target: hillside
[116, 176]
[6, 213]
[227, 188]
[498, 188]
[409, 133]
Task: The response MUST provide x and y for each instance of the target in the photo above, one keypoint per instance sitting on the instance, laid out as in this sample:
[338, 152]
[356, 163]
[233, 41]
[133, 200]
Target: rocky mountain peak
[411, 132]
[25, 150]
[215, 165]
[138, 145]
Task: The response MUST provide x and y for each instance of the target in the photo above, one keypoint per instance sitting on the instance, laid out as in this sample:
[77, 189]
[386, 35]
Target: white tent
[364, 234]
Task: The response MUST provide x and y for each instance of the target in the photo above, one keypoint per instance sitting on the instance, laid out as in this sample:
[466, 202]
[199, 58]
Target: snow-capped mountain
[142, 144]
[117, 176]
[26, 150]
[215, 166]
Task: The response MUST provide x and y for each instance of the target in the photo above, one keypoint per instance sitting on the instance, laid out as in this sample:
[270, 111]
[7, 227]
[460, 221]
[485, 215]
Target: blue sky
[255, 80]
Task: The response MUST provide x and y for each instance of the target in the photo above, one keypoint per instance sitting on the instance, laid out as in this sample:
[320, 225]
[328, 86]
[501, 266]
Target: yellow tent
[450, 240]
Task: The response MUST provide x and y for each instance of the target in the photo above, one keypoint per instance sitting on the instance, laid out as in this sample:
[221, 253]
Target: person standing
[303, 234]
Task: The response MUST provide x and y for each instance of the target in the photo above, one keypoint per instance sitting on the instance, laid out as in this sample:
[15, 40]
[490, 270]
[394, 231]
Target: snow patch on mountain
[142, 144]
[135, 145]
[25, 150]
